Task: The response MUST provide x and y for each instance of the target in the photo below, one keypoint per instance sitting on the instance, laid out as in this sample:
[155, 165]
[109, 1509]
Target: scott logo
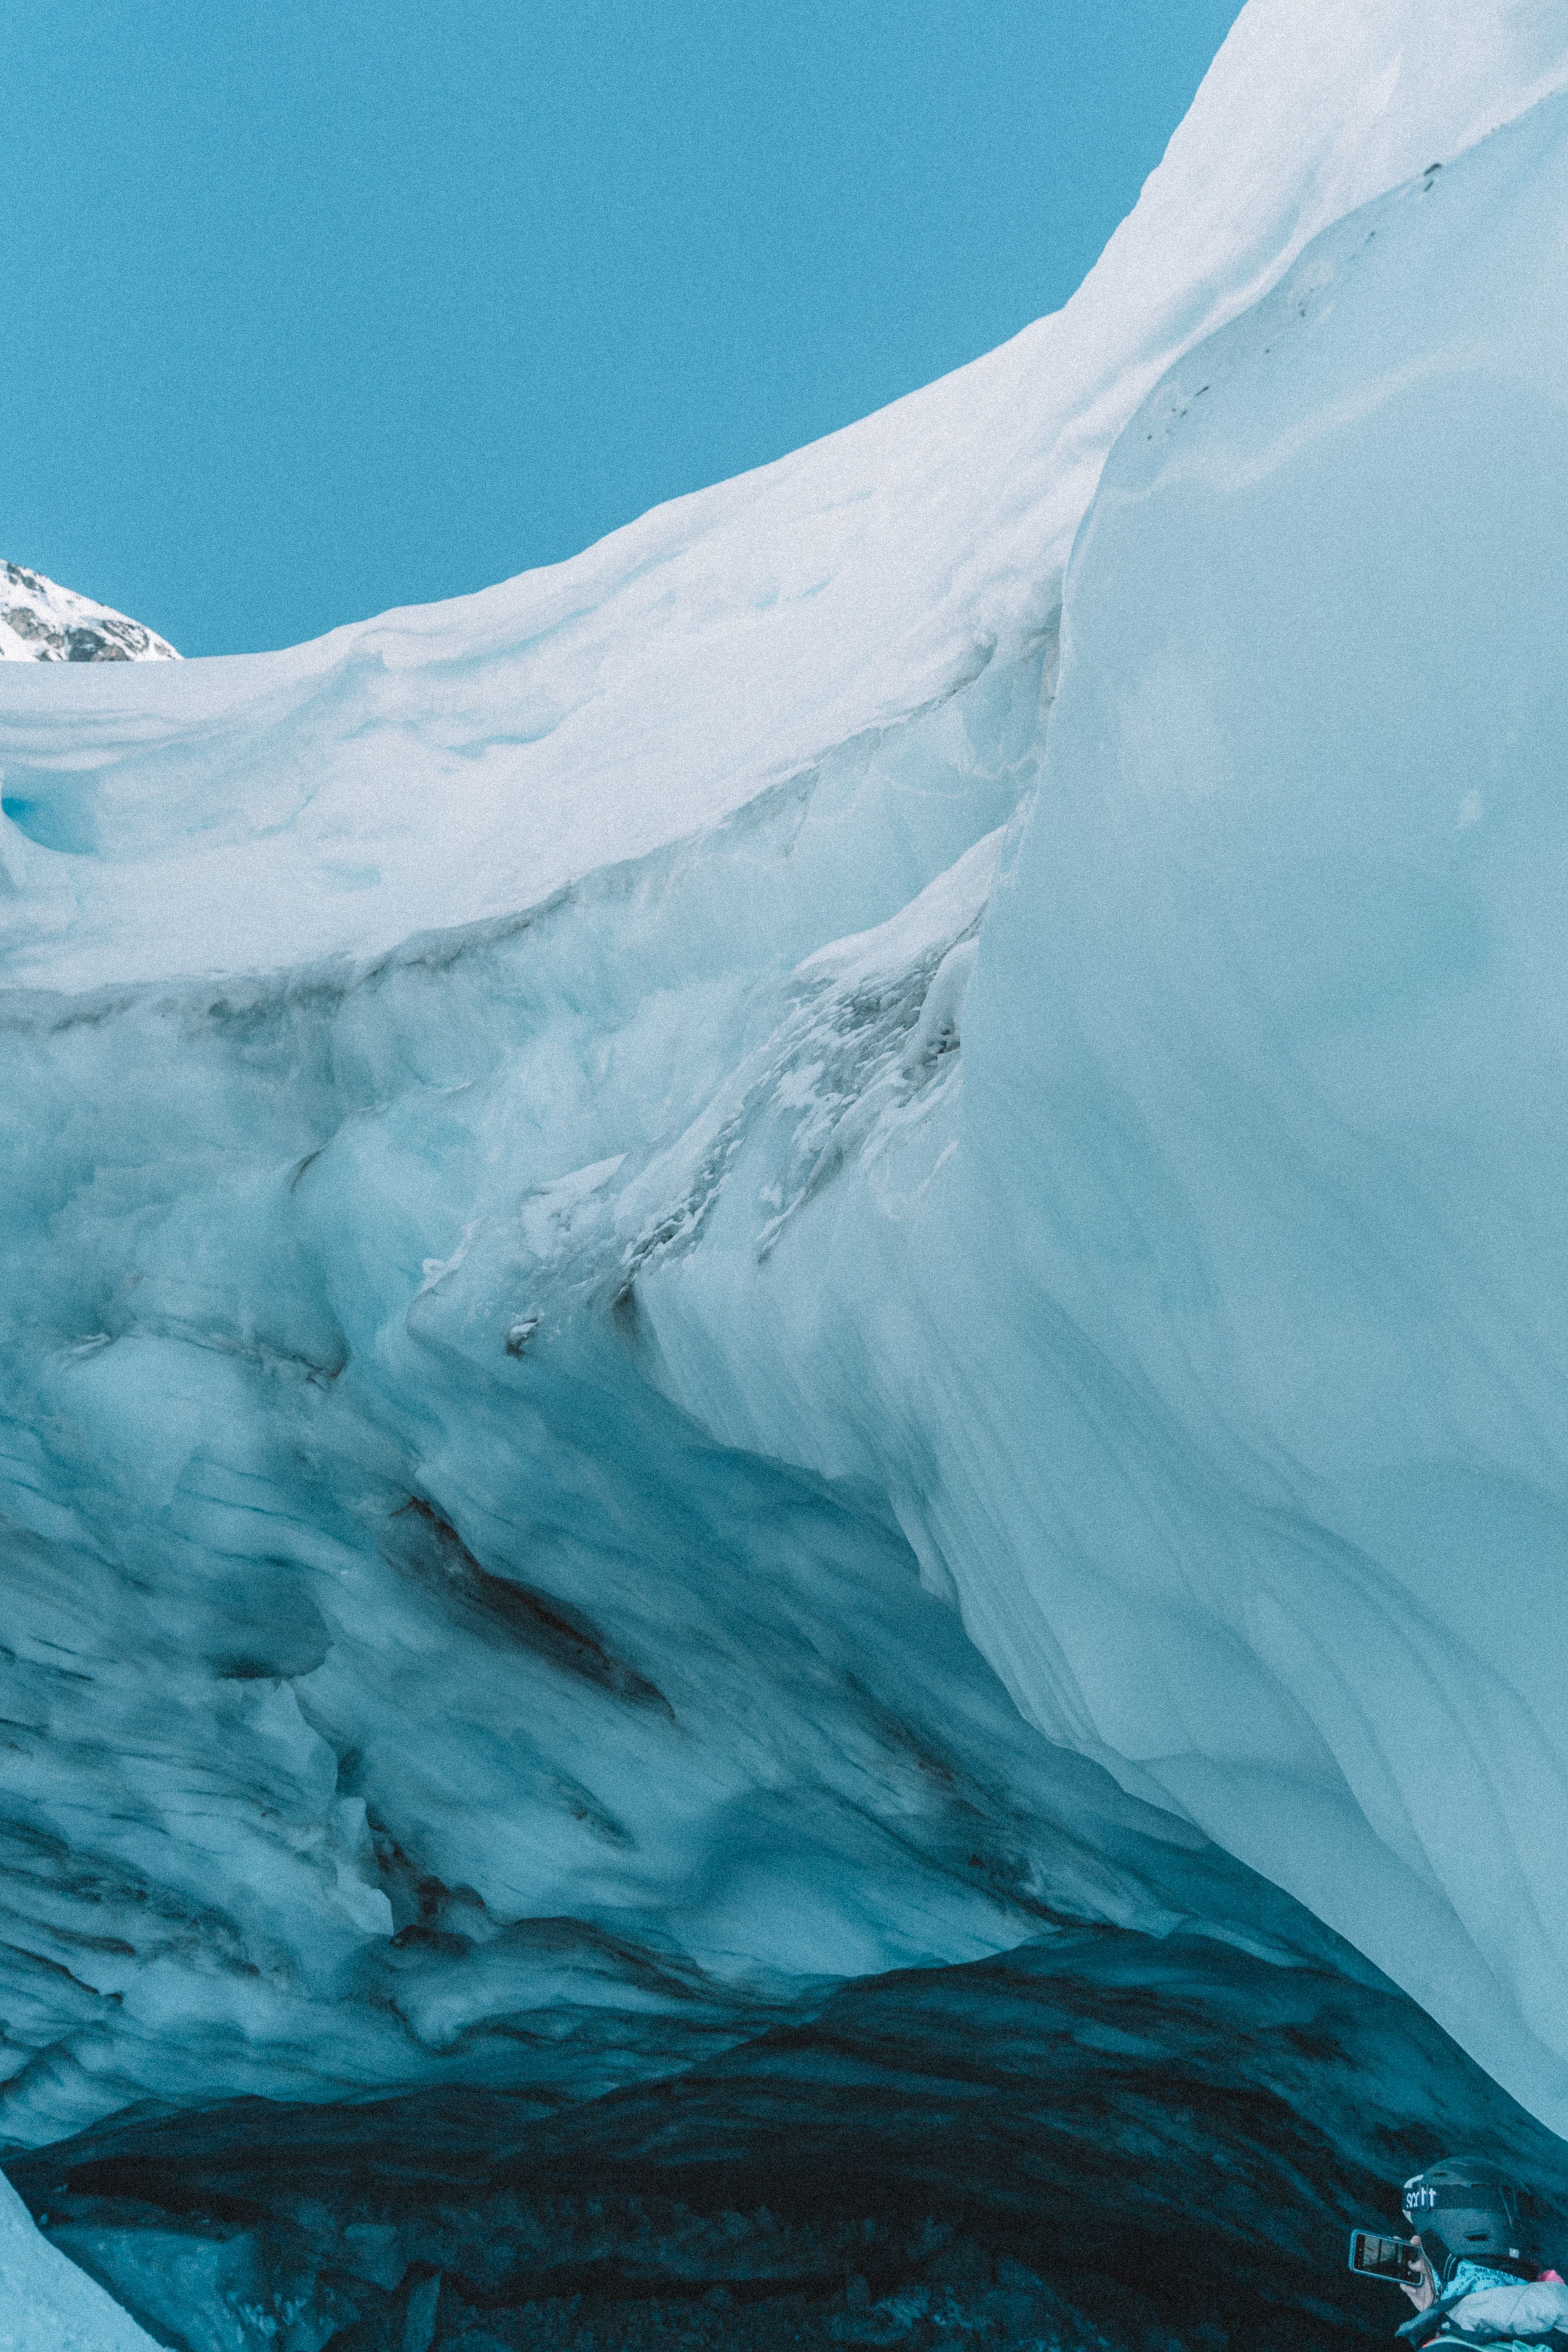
[1417, 2199]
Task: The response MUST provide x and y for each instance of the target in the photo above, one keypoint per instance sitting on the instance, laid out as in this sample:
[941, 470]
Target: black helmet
[1465, 2209]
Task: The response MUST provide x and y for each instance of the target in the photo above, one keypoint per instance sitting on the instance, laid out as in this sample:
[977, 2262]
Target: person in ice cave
[1477, 2235]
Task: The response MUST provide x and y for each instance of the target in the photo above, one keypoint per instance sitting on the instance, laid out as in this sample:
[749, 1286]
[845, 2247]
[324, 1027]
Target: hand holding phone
[1373, 2255]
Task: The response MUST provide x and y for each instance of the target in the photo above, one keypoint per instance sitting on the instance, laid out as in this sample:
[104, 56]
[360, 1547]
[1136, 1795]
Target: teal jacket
[1488, 2307]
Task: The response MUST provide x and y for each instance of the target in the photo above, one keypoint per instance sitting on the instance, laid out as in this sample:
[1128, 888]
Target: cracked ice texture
[551, 1195]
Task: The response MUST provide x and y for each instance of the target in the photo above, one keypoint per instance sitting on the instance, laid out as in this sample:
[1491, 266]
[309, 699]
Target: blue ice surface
[1209, 1341]
[405, 1687]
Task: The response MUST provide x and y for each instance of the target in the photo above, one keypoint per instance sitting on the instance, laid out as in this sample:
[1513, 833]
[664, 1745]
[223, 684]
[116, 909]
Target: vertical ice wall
[1266, 1040]
[1210, 1332]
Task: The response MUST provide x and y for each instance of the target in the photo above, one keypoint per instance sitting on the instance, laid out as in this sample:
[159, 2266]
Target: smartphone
[1374, 2256]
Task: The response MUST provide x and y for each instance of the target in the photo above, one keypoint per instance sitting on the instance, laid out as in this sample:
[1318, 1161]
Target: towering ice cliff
[695, 1312]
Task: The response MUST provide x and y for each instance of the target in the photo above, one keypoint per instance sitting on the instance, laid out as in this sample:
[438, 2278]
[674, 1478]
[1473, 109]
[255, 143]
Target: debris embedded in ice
[937, 1031]
[870, 1019]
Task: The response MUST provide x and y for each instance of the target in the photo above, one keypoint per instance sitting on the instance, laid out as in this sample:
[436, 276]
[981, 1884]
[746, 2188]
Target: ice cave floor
[1102, 2138]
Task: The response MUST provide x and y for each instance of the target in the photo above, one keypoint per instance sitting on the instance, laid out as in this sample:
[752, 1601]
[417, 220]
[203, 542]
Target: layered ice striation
[1208, 1341]
[822, 1246]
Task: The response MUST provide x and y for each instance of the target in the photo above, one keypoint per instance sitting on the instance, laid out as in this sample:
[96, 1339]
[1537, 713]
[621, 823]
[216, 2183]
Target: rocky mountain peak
[42, 622]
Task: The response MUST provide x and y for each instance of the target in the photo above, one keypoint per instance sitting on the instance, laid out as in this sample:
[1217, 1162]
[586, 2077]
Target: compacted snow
[459, 761]
[601, 1173]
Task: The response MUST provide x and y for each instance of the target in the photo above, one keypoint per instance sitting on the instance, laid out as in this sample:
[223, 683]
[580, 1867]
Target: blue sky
[310, 310]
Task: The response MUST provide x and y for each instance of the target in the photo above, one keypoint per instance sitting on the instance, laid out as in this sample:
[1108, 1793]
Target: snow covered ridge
[583, 1164]
[41, 621]
[459, 763]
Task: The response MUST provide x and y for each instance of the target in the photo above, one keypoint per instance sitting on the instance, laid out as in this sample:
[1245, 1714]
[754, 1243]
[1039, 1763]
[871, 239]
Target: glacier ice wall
[1293, 1157]
[1220, 1322]
[586, 1164]
[401, 1688]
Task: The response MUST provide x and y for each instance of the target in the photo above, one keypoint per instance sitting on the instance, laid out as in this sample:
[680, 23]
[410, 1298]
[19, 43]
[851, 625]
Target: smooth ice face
[497, 1417]
[1263, 1035]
